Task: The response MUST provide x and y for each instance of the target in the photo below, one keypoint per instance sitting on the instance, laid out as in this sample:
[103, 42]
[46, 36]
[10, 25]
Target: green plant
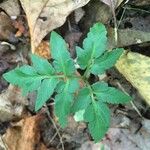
[60, 77]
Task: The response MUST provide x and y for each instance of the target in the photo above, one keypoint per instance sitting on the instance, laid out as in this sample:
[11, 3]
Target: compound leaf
[43, 95]
[60, 54]
[24, 77]
[106, 61]
[109, 94]
[93, 46]
[97, 115]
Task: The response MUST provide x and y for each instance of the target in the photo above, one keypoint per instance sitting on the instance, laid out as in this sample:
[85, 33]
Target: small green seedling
[60, 77]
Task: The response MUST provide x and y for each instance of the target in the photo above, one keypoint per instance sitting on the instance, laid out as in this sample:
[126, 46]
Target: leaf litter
[128, 136]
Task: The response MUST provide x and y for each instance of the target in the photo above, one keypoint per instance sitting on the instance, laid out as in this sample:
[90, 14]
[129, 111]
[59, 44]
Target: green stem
[91, 92]
[86, 73]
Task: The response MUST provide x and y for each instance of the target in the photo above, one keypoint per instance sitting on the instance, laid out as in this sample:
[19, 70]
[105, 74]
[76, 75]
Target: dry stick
[121, 17]
[115, 22]
[137, 9]
[133, 105]
[57, 130]
[54, 136]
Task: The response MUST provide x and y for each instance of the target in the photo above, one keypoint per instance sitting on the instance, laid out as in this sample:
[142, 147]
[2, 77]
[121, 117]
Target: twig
[121, 17]
[54, 136]
[115, 22]
[57, 130]
[137, 9]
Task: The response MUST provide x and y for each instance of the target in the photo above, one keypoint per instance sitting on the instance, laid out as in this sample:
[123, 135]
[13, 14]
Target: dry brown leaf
[11, 104]
[7, 30]
[25, 135]
[45, 15]
[11, 7]
[20, 27]
[43, 50]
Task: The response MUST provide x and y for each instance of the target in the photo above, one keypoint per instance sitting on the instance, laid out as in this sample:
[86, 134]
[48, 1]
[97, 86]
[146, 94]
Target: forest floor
[23, 129]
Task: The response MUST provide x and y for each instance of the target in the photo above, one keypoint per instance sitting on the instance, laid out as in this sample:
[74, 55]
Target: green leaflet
[97, 115]
[82, 100]
[106, 61]
[62, 107]
[43, 95]
[62, 60]
[41, 65]
[109, 94]
[93, 46]
[25, 77]
[64, 99]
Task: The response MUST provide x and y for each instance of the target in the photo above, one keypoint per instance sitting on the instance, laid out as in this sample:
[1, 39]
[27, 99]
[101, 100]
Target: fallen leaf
[127, 37]
[7, 30]
[43, 50]
[136, 69]
[11, 104]
[72, 38]
[11, 7]
[25, 134]
[20, 27]
[45, 15]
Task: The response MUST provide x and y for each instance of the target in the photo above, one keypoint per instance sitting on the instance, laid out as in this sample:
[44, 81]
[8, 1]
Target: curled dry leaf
[45, 15]
[25, 134]
[136, 69]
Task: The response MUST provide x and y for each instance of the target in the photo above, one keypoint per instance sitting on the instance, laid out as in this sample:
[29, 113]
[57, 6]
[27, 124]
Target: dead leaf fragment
[20, 27]
[7, 30]
[43, 50]
[25, 135]
[127, 37]
[136, 69]
[45, 15]
[11, 7]
[11, 104]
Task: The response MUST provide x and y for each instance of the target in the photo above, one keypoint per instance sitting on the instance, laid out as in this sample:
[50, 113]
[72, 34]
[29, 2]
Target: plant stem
[91, 91]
